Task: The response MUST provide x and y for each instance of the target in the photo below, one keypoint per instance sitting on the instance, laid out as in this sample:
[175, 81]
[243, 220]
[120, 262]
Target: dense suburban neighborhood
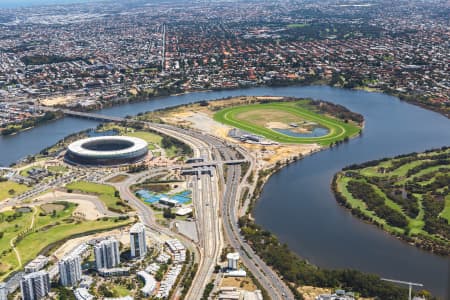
[137, 50]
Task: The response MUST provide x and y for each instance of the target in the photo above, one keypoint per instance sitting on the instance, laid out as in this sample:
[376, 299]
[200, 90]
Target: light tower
[410, 284]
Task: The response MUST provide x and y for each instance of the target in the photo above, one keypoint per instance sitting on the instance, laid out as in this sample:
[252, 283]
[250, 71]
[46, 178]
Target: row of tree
[168, 142]
[372, 163]
[299, 272]
[375, 202]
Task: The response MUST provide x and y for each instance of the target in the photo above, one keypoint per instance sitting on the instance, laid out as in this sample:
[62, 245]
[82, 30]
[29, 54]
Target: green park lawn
[24, 172]
[106, 193]
[7, 186]
[154, 139]
[48, 229]
[120, 290]
[58, 169]
[10, 227]
[149, 137]
[248, 118]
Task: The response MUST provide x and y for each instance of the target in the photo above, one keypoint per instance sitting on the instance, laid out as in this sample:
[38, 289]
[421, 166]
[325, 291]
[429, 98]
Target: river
[296, 203]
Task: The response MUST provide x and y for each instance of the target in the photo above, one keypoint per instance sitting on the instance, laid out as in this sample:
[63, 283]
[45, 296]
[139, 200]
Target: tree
[217, 269]
[167, 213]
[11, 192]
[103, 289]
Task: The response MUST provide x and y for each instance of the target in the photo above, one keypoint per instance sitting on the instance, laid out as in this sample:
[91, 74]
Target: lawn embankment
[106, 193]
[255, 118]
[408, 196]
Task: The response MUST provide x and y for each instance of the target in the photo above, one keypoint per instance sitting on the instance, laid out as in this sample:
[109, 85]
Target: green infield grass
[253, 118]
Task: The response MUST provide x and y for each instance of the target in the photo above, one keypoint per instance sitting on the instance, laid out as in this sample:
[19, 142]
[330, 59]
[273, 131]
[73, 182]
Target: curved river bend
[297, 204]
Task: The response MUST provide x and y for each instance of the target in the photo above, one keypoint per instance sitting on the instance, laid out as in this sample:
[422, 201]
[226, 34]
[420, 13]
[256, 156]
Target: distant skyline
[25, 3]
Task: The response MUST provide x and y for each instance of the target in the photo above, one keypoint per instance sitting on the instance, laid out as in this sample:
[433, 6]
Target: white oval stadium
[106, 150]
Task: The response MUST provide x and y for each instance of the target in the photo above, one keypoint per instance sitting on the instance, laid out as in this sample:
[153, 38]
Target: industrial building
[106, 151]
[107, 254]
[35, 286]
[70, 270]
[137, 241]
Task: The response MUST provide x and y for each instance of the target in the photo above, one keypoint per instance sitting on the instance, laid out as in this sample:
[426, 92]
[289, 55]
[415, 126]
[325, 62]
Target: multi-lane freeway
[206, 203]
[220, 150]
[215, 197]
[274, 286]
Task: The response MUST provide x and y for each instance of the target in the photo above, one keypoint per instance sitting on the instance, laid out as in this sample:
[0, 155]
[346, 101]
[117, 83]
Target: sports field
[255, 117]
